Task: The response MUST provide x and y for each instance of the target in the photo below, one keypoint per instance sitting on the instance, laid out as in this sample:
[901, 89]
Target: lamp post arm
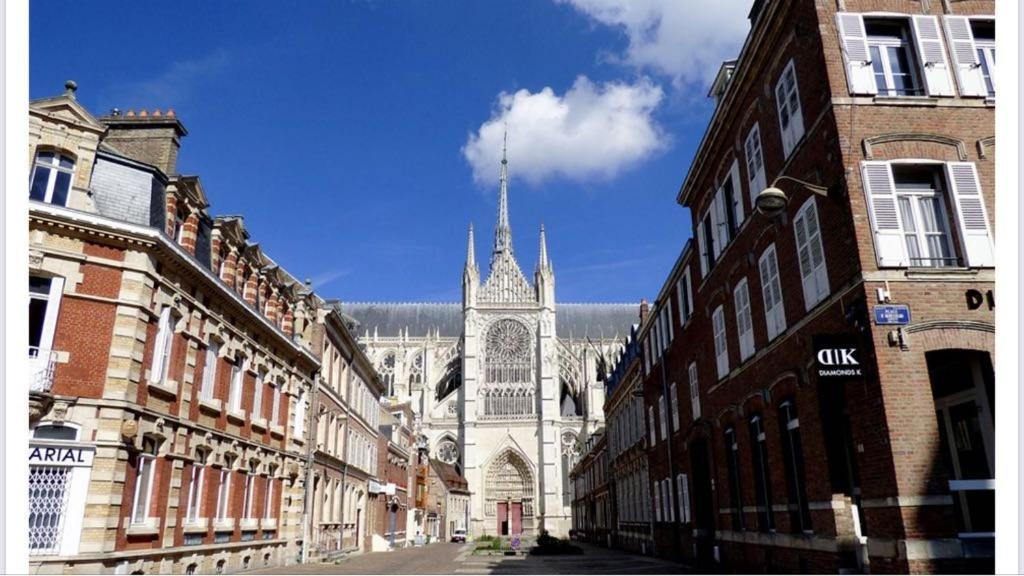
[812, 187]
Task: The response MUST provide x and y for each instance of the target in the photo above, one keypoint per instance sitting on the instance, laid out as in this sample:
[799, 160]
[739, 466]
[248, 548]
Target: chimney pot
[130, 114]
[156, 112]
[170, 112]
[143, 113]
[115, 112]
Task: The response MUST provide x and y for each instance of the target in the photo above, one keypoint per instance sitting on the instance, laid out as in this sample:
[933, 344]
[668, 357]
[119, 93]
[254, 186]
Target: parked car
[458, 535]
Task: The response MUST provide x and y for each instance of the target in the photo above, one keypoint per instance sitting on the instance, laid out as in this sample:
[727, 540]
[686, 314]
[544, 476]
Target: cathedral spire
[542, 261]
[470, 250]
[503, 231]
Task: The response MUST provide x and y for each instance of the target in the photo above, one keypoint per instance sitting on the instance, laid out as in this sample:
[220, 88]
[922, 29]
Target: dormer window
[51, 178]
[179, 225]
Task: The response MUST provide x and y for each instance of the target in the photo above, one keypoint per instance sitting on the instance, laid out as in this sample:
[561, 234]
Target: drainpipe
[307, 500]
[668, 445]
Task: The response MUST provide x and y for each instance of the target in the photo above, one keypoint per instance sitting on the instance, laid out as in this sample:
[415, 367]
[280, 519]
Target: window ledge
[168, 388]
[940, 272]
[249, 523]
[268, 523]
[236, 415]
[196, 525]
[148, 527]
[224, 524]
[907, 100]
[277, 430]
[213, 405]
[259, 424]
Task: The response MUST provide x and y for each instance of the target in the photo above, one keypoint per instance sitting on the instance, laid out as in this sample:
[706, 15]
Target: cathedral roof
[572, 320]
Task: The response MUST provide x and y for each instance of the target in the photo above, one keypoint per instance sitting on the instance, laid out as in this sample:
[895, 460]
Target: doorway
[963, 387]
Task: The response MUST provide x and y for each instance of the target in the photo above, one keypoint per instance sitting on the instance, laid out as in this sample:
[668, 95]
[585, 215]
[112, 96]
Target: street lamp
[772, 201]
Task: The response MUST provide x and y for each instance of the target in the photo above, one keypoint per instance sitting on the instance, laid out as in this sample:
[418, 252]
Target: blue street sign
[896, 314]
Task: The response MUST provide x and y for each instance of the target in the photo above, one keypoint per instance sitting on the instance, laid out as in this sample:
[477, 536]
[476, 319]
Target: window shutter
[971, 216]
[813, 272]
[932, 56]
[817, 250]
[721, 227]
[755, 164]
[804, 258]
[686, 498]
[702, 249]
[721, 342]
[694, 392]
[737, 192]
[965, 56]
[859, 73]
[156, 372]
[769, 301]
[886, 223]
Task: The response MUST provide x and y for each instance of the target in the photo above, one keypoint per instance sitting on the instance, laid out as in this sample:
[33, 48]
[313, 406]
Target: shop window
[793, 458]
[762, 478]
[732, 461]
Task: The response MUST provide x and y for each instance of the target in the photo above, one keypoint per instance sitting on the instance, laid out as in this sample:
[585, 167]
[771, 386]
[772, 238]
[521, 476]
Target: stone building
[505, 384]
[345, 461]
[592, 516]
[170, 361]
[818, 379]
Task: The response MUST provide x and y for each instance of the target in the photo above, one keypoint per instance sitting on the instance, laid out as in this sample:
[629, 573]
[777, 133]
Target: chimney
[150, 138]
[755, 11]
[644, 310]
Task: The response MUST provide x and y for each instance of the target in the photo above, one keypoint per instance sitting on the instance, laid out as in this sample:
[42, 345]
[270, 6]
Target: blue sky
[359, 139]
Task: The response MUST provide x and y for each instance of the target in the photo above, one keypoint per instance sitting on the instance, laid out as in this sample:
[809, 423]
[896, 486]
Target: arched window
[416, 368]
[387, 372]
[51, 178]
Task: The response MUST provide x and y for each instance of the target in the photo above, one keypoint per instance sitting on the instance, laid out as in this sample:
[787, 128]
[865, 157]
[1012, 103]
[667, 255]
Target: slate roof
[449, 475]
[573, 320]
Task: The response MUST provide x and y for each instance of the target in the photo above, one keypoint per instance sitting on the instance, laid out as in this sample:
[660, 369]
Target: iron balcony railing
[41, 367]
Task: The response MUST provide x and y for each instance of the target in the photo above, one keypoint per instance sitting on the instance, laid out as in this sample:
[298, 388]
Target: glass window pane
[66, 162]
[44, 157]
[60, 189]
[36, 318]
[39, 180]
[51, 432]
[39, 285]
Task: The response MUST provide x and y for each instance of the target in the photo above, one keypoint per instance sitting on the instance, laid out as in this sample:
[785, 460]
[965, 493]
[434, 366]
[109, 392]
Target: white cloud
[685, 40]
[175, 84]
[591, 132]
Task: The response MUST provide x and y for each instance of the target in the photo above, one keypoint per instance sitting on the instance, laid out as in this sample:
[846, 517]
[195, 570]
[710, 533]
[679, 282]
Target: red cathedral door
[503, 518]
[517, 518]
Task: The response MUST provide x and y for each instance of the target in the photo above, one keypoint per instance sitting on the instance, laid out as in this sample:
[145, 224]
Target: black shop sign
[837, 356]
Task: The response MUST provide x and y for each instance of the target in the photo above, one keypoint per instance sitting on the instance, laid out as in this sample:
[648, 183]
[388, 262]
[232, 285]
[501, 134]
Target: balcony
[41, 364]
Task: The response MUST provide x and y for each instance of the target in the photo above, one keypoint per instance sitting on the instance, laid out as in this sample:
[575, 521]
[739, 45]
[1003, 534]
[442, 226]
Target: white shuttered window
[811, 254]
[791, 116]
[771, 288]
[756, 181]
[694, 392]
[721, 342]
[744, 324]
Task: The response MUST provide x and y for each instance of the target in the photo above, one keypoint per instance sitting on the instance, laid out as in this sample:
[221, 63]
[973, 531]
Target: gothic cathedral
[505, 385]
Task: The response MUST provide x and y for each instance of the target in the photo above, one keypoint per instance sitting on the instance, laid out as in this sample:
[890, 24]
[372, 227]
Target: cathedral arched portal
[509, 493]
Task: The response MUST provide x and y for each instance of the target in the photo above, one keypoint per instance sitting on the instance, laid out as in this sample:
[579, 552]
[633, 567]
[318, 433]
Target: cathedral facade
[505, 384]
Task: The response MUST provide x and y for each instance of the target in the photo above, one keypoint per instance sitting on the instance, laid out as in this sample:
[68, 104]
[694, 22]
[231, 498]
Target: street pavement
[447, 558]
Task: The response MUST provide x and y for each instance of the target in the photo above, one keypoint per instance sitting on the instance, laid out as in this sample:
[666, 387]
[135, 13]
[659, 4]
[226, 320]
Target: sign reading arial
[60, 455]
[837, 356]
[892, 315]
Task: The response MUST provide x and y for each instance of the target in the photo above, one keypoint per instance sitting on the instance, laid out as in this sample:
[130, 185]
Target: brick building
[170, 364]
[818, 365]
[449, 492]
[592, 514]
[389, 505]
[344, 461]
[629, 519]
